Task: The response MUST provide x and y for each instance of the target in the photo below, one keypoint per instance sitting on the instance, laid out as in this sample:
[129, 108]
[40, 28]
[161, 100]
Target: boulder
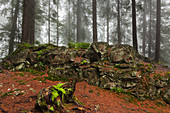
[166, 96]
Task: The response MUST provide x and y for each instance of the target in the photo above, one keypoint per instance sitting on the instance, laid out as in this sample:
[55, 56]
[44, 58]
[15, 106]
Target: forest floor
[19, 91]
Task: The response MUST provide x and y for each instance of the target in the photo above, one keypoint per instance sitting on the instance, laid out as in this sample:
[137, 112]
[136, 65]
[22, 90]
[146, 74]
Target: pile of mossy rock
[107, 66]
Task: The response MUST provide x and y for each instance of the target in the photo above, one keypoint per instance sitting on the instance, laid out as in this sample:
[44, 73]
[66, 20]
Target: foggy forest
[84, 56]
[143, 24]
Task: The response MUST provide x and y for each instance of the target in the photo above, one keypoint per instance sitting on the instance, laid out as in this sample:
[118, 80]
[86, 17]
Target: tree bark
[49, 20]
[69, 26]
[118, 22]
[135, 44]
[108, 13]
[28, 27]
[13, 29]
[94, 22]
[150, 30]
[57, 23]
[144, 28]
[157, 51]
[79, 21]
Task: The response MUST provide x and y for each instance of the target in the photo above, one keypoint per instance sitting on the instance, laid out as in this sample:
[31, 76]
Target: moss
[1, 71]
[118, 90]
[21, 82]
[3, 95]
[90, 91]
[98, 93]
[5, 65]
[117, 66]
[21, 74]
[14, 78]
[83, 62]
[71, 45]
[82, 45]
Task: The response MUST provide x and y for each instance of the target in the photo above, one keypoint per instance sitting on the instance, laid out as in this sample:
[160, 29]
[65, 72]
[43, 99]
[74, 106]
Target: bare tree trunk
[118, 21]
[28, 27]
[157, 52]
[57, 23]
[69, 26]
[144, 28]
[13, 29]
[94, 22]
[150, 30]
[32, 20]
[74, 20]
[49, 20]
[135, 44]
[108, 13]
[79, 30]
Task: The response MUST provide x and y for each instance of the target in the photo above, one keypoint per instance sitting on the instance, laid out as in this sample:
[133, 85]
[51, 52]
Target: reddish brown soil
[94, 99]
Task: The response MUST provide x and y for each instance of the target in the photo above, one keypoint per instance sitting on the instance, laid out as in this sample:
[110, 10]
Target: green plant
[37, 42]
[21, 82]
[71, 45]
[3, 95]
[1, 71]
[118, 90]
[21, 74]
[5, 64]
[41, 64]
[117, 66]
[82, 45]
[83, 62]
[98, 94]
[24, 45]
[52, 108]
[90, 91]
[56, 90]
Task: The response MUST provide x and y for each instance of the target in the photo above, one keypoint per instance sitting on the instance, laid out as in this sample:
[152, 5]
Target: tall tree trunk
[144, 28]
[79, 30]
[49, 20]
[69, 26]
[32, 20]
[108, 13]
[150, 29]
[13, 29]
[57, 22]
[74, 21]
[28, 27]
[135, 44]
[94, 22]
[157, 52]
[118, 22]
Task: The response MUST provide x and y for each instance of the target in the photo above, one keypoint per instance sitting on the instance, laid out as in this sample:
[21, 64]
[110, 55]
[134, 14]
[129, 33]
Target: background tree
[28, 27]
[79, 5]
[135, 44]
[118, 22]
[150, 29]
[49, 20]
[14, 28]
[108, 18]
[158, 26]
[94, 22]
[144, 28]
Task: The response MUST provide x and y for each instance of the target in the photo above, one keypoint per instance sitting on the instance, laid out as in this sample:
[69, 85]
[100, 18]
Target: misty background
[107, 14]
